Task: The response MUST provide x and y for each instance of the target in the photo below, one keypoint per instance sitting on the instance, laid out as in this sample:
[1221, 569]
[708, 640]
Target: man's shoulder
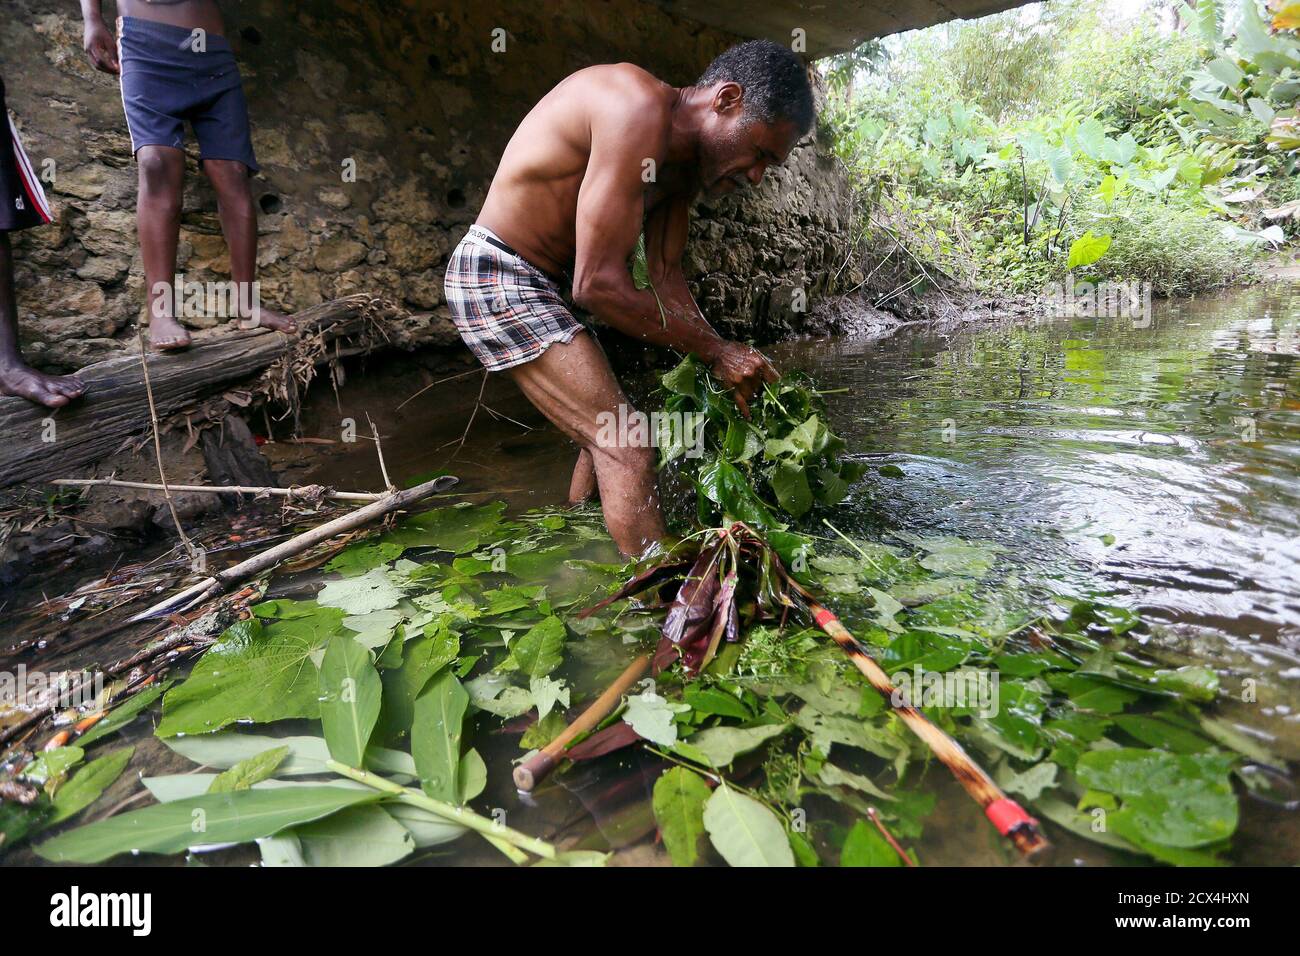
[626, 89]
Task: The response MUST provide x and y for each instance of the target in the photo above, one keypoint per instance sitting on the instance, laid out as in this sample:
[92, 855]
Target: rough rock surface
[418, 104]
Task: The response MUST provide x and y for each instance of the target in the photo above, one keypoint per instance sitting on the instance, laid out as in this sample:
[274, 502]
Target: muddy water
[1157, 466]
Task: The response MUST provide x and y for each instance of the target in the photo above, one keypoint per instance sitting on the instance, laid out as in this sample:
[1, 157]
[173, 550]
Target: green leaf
[540, 650]
[652, 717]
[1177, 800]
[723, 744]
[436, 736]
[197, 821]
[89, 782]
[679, 798]
[459, 528]
[350, 690]
[122, 714]
[864, 846]
[744, 831]
[248, 772]
[1087, 249]
[790, 482]
[422, 658]
[372, 591]
[355, 836]
[254, 674]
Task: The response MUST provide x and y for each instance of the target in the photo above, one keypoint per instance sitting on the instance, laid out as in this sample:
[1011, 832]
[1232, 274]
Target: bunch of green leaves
[777, 464]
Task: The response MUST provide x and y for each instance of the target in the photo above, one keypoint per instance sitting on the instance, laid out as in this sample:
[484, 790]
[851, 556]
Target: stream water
[1156, 464]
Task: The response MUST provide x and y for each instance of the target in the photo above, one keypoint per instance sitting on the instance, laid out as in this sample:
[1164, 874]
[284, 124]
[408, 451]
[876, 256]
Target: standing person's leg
[572, 384]
[158, 215]
[239, 225]
[582, 486]
[16, 378]
[22, 206]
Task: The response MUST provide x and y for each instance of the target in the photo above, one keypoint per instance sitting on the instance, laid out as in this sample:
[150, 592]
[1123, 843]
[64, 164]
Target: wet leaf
[254, 673]
[209, 819]
[88, 784]
[436, 736]
[864, 846]
[652, 717]
[350, 690]
[248, 772]
[1178, 800]
[679, 799]
[744, 831]
[722, 745]
[372, 591]
[123, 714]
[539, 651]
[355, 836]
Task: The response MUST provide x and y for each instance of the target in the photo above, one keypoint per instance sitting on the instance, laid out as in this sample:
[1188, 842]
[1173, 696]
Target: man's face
[735, 148]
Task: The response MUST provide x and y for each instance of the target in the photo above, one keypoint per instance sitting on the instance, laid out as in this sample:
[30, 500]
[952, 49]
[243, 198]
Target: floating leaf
[248, 772]
[744, 832]
[209, 819]
[436, 736]
[88, 784]
[349, 699]
[679, 798]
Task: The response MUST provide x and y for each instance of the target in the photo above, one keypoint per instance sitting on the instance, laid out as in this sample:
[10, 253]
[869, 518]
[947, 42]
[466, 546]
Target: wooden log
[38, 441]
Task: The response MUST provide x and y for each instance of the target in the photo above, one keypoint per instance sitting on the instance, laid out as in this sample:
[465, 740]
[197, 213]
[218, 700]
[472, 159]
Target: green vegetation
[1011, 151]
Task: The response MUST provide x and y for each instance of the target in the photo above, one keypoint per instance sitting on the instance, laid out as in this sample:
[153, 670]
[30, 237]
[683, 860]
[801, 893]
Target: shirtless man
[607, 154]
[177, 67]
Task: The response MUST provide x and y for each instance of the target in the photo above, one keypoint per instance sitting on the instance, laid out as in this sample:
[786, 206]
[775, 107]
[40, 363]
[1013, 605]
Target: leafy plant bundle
[784, 459]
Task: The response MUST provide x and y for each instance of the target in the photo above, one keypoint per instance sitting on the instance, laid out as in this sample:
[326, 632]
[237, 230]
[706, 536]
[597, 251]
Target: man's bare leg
[158, 210]
[239, 225]
[572, 384]
[16, 377]
[582, 487]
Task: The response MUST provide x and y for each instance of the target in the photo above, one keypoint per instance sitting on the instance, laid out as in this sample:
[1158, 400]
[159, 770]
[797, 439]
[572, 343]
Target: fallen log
[40, 441]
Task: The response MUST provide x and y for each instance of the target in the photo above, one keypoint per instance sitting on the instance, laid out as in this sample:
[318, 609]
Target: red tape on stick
[1006, 815]
[824, 617]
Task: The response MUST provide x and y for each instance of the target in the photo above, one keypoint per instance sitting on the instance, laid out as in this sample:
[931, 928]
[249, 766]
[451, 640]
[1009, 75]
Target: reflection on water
[1158, 464]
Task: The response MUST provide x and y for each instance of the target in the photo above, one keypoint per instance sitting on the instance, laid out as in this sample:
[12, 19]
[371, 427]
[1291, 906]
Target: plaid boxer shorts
[507, 310]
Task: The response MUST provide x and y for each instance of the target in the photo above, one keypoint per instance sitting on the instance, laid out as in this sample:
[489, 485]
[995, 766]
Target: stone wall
[415, 96]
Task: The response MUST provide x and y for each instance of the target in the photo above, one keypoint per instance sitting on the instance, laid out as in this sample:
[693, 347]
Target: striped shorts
[507, 310]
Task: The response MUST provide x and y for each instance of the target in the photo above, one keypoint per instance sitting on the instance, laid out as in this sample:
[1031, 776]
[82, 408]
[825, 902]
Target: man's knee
[157, 174]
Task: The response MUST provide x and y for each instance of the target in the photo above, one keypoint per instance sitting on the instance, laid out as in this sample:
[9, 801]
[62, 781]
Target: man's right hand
[101, 47]
[744, 370]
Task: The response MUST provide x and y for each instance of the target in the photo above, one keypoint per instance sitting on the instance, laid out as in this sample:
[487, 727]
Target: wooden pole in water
[1004, 813]
[533, 770]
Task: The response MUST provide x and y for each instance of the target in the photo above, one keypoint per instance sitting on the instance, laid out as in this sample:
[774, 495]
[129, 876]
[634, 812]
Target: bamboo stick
[533, 770]
[299, 492]
[1003, 812]
[224, 580]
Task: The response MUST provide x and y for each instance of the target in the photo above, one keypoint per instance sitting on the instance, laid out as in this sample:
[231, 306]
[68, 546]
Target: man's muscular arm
[99, 43]
[611, 207]
[666, 231]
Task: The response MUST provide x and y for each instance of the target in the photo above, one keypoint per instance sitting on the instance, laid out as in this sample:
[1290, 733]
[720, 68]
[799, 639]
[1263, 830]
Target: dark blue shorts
[169, 79]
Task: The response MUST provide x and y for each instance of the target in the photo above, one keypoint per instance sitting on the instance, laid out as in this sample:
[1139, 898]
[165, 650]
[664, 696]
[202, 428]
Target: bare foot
[167, 335]
[52, 391]
[270, 319]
